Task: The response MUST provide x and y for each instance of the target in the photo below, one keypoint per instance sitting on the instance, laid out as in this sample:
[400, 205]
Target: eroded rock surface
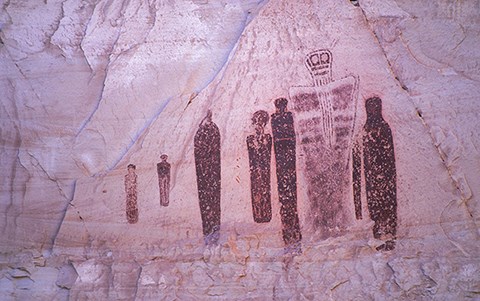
[90, 87]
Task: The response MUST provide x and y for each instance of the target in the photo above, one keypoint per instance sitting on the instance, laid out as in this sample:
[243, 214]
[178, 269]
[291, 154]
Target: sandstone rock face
[368, 169]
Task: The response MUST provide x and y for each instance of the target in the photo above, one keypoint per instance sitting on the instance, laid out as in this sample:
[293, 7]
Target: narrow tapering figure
[285, 157]
[380, 175]
[259, 155]
[357, 180]
[131, 194]
[207, 163]
[163, 171]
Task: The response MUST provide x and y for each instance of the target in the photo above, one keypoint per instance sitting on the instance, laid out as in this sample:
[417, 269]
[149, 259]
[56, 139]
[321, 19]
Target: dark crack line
[249, 17]
[418, 112]
[38, 164]
[106, 69]
[453, 181]
[221, 72]
[17, 144]
[444, 162]
[390, 67]
[25, 79]
[339, 284]
[59, 225]
[140, 134]
[134, 297]
[87, 24]
[67, 199]
[422, 120]
[153, 19]
[56, 25]
[12, 189]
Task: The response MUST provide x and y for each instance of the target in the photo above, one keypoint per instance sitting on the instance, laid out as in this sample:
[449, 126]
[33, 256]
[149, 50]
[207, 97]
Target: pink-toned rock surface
[91, 87]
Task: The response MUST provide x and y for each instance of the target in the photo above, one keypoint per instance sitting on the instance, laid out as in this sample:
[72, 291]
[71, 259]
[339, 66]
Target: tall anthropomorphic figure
[259, 155]
[207, 164]
[163, 171]
[131, 193]
[380, 175]
[284, 146]
[325, 119]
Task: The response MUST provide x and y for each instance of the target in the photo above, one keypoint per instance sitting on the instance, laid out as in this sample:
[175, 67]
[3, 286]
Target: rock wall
[358, 179]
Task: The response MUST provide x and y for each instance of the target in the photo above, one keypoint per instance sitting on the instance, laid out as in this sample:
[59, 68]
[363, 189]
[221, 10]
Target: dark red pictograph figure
[284, 147]
[380, 175]
[207, 163]
[163, 171]
[131, 192]
[259, 155]
[324, 119]
[357, 180]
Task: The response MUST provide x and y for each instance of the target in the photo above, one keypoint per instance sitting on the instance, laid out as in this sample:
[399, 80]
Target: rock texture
[89, 87]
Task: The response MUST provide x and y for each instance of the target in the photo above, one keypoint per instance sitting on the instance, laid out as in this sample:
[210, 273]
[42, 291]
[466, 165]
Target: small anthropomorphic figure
[131, 193]
[207, 165]
[284, 146]
[380, 175]
[259, 154]
[163, 171]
